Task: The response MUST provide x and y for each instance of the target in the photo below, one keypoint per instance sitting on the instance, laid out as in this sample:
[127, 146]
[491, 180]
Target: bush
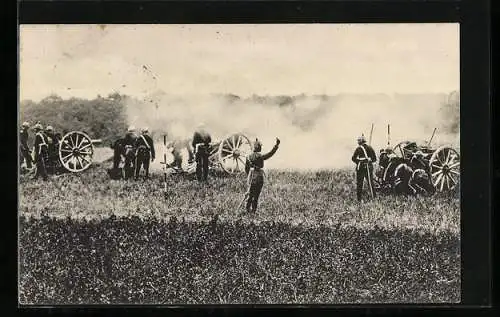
[103, 118]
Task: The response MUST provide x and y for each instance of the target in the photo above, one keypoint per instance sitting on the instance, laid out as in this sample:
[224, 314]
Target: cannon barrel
[96, 141]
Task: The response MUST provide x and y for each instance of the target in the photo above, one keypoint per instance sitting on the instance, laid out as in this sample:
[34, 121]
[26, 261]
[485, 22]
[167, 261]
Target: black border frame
[475, 111]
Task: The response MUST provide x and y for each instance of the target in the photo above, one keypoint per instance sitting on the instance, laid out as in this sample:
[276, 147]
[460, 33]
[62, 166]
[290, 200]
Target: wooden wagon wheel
[233, 152]
[75, 151]
[445, 168]
[401, 151]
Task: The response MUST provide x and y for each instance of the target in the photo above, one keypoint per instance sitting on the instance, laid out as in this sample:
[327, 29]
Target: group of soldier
[138, 150]
[409, 177]
[44, 154]
[142, 149]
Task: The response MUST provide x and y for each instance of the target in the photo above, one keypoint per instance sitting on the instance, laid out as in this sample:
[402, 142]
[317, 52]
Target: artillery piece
[74, 153]
[76, 149]
[442, 163]
[228, 155]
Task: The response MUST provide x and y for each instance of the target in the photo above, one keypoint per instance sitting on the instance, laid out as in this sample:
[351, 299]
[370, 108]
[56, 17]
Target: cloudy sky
[86, 60]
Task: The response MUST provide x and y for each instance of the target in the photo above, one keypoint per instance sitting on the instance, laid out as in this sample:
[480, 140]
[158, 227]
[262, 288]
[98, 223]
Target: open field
[86, 239]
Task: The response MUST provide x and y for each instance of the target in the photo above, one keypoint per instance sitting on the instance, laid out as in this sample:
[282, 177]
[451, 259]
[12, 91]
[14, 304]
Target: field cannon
[76, 149]
[442, 164]
[228, 155]
[74, 154]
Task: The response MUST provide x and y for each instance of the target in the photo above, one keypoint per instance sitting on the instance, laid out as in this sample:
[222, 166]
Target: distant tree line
[101, 118]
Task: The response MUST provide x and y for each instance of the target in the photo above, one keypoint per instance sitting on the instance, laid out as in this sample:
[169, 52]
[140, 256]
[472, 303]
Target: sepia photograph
[171, 164]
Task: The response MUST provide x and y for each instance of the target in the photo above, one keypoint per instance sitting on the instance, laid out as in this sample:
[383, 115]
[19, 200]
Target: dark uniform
[201, 145]
[24, 154]
[364, 157]
[254, 168]
[145, 151]
[129, 153]
[53, 152]
[41, 155]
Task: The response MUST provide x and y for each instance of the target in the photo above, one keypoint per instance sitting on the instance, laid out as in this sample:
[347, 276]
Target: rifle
[430, 140]
[388, 135]
[371, 133]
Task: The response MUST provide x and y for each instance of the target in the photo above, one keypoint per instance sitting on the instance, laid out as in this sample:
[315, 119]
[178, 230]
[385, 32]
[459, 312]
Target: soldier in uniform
[24, 154]
[364, 157]
[41, 152]
[145, 151]
[51, 149]
[254, 168]
[201, 145]
[128, 151]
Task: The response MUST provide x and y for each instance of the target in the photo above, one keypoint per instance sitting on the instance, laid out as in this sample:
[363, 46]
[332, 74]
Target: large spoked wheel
[75, 151]
[445, 169]
[233, 152]
[401, 151]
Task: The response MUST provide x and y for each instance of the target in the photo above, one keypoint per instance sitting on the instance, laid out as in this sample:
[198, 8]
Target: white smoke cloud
[315, 133]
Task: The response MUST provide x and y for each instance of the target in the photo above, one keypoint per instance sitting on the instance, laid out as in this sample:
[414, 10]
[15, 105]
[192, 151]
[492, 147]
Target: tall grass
[86, 239]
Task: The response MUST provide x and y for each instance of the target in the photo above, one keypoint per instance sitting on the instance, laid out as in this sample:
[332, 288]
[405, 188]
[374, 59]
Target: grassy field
[87, 239]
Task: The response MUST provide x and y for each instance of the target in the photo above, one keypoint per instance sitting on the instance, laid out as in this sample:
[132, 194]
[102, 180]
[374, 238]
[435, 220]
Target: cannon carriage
[442, 164]
[73, 153]
[227, 155]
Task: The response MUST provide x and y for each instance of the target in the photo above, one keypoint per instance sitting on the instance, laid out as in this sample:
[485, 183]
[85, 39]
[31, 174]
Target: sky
[242, 59]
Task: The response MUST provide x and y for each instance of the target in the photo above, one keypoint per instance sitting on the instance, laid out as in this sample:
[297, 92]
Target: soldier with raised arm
[254, 168]
[364, 157]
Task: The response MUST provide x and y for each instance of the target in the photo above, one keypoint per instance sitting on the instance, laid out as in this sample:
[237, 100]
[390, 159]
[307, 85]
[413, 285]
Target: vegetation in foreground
[85, 239]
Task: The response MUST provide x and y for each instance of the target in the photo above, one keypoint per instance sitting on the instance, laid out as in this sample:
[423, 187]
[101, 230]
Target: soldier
[417, 161]
[51, 149]
[24, 154]
[41, 152]
[254, 168]
[145, 151]
[201, 145]
[364, 157]
[402, 179]
[128, 151]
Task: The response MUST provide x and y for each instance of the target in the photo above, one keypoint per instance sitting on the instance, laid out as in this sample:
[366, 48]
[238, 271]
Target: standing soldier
[41, 152]
[364, 157]
[254, 168]
[201, 145]
[145, 151]
[51, 149]
[128, 151]
[24, 154]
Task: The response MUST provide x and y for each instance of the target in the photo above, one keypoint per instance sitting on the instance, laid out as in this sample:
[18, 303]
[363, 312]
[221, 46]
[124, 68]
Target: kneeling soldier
[254, 168]
[145, 152]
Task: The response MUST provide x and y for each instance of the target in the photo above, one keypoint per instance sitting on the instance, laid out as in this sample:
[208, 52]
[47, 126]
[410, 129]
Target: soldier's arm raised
[271, 153]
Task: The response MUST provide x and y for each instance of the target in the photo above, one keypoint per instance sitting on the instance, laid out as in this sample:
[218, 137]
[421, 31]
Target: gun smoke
[317, 132]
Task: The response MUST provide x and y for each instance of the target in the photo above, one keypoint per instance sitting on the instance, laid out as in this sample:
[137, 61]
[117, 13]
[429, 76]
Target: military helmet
[25, 124]
[131, 129]
[145, 130]
[257, 146]
[49, 128]
[38, 126]
[361, 139]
